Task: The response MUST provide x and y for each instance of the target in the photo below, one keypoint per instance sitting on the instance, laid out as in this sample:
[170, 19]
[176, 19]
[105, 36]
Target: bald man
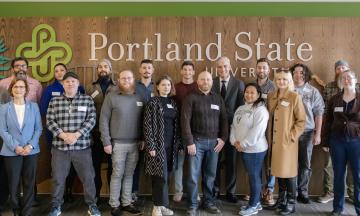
[204, 127]
[120, 127]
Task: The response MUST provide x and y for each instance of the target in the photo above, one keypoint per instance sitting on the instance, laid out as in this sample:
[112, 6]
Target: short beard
[21, 75]
[129, 90]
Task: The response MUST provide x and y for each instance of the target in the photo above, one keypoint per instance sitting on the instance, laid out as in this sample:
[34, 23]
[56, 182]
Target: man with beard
[4, 190]
[19, 67]
[314, 108]
[144, 87]
[262, 77]
[266, 86]
[232, 92]
[98, 90]
[70, 118]
[120, 127]
[204, 128]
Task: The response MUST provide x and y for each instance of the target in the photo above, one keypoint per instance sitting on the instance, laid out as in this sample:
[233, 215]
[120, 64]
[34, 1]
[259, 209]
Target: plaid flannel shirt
[69, 116]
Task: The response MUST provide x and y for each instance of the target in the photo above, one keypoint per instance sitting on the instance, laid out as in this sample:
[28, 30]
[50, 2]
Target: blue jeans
[178, 173]
[270, 179]
[253, 164]
[305, 153]
[345, 150]
[204, 153]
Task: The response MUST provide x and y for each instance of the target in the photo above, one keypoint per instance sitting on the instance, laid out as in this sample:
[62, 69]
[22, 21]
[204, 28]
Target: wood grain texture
[332, 38]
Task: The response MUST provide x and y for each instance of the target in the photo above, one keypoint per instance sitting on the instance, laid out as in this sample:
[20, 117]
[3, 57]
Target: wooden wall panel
[332, 38]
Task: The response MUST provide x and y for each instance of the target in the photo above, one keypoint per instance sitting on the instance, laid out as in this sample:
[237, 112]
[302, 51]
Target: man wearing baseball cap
[70, 118]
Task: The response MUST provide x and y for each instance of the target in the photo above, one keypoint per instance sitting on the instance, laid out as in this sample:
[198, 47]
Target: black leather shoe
[16, 212]
[279, 205]
[131, 209]
[115, 211]
[212, 209]
[303, 199]
[231, 198]
[290, 208]
[36, 203]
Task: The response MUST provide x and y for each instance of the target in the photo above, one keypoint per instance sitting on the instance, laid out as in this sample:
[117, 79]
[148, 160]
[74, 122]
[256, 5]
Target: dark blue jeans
[345, 150]
[305, 153]
[205, 155]
[253, 163]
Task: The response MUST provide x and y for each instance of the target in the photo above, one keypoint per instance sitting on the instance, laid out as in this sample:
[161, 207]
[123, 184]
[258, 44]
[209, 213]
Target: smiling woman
[162, 142]
[21, 144]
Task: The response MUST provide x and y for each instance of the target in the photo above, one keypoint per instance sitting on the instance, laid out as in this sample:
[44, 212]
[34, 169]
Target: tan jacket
[287, 119]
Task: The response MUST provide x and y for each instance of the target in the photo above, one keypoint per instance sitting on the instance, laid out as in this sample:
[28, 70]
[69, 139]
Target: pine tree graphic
[3, 59]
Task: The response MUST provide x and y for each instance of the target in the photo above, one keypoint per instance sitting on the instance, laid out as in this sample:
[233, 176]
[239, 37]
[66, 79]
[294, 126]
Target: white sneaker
[156, 211]
[166, 211]
[178, 196]
[198, 198]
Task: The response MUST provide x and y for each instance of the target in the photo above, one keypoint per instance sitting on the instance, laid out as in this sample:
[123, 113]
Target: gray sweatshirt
[313, 104]
[121, 118]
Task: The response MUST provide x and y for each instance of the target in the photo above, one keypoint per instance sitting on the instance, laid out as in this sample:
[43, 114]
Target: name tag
[307, 90]
[169, 106]
[339, 109]
[94, 94]
[82, 108]
[139, 103]
[55, 93]
[264, 96]
[215, 107]
[285, 103]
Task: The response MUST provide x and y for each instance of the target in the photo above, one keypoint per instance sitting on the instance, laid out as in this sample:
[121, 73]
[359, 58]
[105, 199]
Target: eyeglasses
[20, 66]
[19, 87]
[283, 70]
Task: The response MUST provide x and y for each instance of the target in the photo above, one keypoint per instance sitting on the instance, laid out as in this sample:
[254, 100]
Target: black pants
[287, 189]
[4, 189]
[137, 172]
[160, 190]
[21, 169]
[98, 154]
[160, 187]
[230, 155]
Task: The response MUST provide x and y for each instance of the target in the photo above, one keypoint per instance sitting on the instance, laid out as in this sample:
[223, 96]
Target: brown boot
[267, 197]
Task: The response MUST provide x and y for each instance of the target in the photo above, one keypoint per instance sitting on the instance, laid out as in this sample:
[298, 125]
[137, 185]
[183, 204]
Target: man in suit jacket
[231, 90]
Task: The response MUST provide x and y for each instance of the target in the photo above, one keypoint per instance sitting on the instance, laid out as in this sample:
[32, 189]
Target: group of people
[271, 126]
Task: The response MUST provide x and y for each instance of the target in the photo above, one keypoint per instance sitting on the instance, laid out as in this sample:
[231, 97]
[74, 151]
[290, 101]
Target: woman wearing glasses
[20, 129]
[342, 132]
[286, 123]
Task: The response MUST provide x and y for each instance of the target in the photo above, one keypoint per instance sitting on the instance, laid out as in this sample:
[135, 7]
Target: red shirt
[182, 90]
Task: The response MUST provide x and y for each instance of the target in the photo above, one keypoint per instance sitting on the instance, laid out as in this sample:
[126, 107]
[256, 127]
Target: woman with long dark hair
[248, 136]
